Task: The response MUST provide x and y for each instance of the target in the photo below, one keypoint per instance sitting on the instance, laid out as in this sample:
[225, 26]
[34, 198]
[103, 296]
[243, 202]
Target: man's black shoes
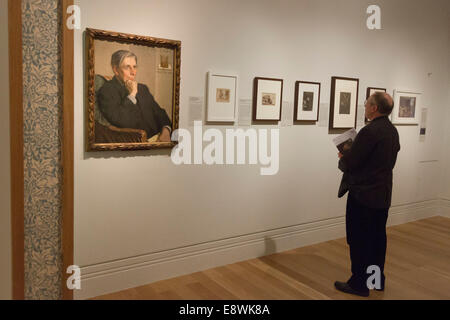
[344, 287]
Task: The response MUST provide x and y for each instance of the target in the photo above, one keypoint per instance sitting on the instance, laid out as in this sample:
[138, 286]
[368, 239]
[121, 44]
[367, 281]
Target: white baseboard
[137, 271]
[445, 208]
[415, 211]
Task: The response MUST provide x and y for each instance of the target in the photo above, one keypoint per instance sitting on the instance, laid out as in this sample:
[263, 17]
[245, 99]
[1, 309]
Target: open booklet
[344, 141]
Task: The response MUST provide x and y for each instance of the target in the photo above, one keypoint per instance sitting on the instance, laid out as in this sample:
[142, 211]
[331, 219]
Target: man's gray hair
[118, 57]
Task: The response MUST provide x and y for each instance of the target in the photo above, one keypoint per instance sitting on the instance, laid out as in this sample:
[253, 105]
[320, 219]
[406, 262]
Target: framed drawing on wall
[406, 107]
[222, 97]
[370, 91]
[343, 103]
[267, 99]
[306, 101]
[133, 89]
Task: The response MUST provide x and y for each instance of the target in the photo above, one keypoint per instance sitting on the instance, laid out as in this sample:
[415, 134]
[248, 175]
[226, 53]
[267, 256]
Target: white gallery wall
[140, 218]
[446, 145]
[5, 181]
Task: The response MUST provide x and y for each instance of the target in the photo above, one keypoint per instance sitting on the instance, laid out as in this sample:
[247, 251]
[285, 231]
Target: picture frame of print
[306, 102]
[407, 105]
[222, 97]
[370, 91]
[343, 103]
[164, 60]
[267, 99]
[133, 91]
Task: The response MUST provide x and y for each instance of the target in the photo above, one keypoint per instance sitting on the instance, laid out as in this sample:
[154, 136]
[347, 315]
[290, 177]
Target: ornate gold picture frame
[133, 91]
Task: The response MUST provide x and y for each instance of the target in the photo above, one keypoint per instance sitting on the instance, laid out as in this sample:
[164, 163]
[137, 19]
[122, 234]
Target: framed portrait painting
[343, 103]
[307, 101]
[406, 107]
[222, 97]
[133, 89]
[370, 91]
[267, 99]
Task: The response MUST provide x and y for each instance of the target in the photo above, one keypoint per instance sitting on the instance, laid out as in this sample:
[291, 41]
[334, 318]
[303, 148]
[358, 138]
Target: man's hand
[165, 135]
[340, 155]
[347, 146]
[132, 87]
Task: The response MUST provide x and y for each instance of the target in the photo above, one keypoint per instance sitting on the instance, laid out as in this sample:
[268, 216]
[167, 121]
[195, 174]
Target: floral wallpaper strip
[42, 147]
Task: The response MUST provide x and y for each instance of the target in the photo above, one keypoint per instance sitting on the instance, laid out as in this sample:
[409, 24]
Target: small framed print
[370, 91]
[344, 102]
[267, 99]
[222, 97]
[307, 101]
[406, 107]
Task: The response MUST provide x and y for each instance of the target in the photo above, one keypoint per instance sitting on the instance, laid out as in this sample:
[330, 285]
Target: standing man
[127, 104]
[367, 168]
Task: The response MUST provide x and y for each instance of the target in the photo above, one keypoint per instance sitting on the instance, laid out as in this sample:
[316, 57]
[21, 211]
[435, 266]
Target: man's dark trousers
[366, 237]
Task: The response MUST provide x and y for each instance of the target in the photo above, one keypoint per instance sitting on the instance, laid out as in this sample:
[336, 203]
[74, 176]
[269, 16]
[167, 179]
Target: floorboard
[417, 267]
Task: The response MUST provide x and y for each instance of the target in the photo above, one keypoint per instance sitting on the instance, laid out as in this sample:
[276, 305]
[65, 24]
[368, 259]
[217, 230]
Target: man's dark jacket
[146, 114]
[368, 165]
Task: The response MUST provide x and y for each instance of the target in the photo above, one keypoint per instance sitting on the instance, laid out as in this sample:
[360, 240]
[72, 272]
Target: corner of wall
[445, 183]
[5, 188]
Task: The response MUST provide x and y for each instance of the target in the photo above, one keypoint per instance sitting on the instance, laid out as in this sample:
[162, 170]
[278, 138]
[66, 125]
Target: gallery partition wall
[41, 147]
[5, 181]
[16, 145]
[67, 149]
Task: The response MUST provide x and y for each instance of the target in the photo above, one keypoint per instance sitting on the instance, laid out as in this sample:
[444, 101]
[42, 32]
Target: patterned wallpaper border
[42, 93]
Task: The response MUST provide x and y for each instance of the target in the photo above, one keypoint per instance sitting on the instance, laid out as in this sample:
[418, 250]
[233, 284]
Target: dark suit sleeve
[161, 116]
[360, 151]
[119, 111]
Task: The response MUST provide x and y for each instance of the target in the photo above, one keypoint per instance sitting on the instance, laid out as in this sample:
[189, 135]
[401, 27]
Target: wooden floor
[417, 267]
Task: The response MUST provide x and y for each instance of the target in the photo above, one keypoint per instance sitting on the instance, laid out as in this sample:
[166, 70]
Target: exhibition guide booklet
[344, 141]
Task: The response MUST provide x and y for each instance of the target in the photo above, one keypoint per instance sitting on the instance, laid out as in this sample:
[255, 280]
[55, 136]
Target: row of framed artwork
[267, 101]
[114, 123]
